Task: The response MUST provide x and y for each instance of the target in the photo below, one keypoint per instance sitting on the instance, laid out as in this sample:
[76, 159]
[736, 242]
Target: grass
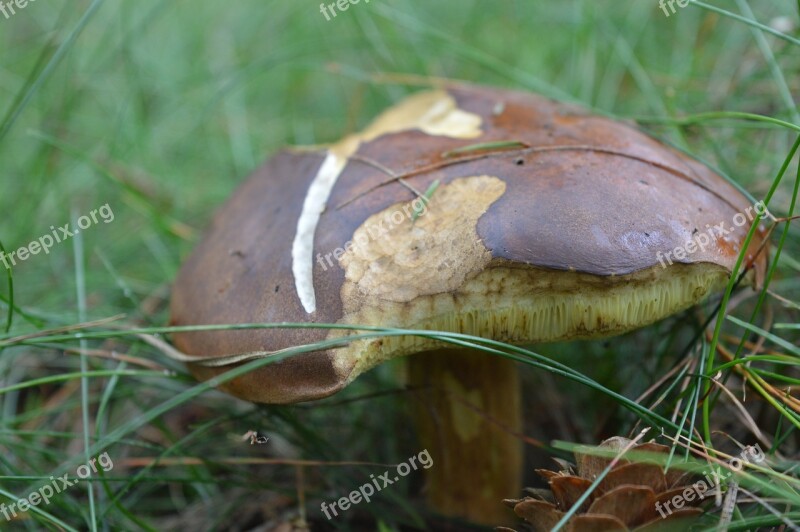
[158, 109]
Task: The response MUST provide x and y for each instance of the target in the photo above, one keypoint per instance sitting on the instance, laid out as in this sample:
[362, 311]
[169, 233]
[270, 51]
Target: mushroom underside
[525, 305]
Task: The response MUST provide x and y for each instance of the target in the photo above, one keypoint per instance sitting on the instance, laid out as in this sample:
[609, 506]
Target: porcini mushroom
[548, 224]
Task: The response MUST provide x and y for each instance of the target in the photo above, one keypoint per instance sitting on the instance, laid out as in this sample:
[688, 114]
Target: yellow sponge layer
[530, 305]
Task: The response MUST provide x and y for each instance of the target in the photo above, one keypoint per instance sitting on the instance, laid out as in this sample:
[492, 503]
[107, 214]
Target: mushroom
[548, 224]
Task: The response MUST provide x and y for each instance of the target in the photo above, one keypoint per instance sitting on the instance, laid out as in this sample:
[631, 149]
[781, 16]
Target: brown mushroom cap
[553, 234]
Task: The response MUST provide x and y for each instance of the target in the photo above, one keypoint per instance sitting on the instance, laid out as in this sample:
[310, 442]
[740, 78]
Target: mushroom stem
[468, 414]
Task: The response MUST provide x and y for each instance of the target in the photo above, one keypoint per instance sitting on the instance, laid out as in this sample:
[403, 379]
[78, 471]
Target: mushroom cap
[548, 224]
